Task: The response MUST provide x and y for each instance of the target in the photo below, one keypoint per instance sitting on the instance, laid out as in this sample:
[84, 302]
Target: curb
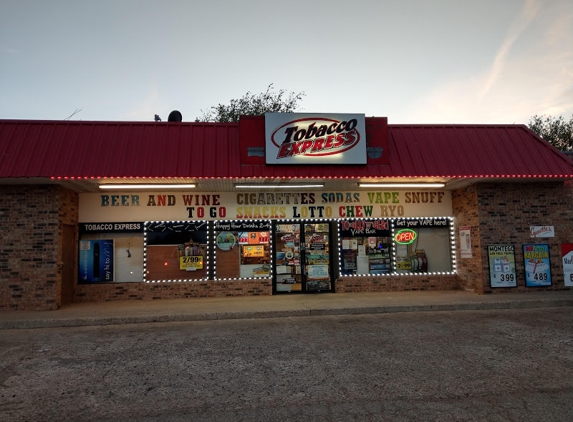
[211, 316]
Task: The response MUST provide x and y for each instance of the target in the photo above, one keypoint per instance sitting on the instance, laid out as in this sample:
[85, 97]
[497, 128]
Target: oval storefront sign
[297, 138]
[405, 236]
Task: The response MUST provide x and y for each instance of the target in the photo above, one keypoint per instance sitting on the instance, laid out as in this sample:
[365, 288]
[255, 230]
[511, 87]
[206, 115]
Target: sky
[413, 61]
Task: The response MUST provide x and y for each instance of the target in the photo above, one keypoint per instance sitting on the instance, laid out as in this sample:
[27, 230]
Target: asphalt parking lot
[494, 365]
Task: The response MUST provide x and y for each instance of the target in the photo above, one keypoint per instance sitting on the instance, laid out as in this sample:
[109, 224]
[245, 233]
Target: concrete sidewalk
[129, 312]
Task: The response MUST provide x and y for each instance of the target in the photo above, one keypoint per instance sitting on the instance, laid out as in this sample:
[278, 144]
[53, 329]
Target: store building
[285, 203]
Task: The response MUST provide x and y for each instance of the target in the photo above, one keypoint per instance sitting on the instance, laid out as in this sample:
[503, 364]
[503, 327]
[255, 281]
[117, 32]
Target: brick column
[31, 218]
[466, 213]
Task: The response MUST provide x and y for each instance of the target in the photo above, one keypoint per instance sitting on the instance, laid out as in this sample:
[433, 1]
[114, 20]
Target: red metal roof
[78, 149]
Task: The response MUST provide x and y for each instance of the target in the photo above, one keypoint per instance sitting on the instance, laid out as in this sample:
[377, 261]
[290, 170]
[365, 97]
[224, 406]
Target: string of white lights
[214, 236]
[212, 240]
[146, 225]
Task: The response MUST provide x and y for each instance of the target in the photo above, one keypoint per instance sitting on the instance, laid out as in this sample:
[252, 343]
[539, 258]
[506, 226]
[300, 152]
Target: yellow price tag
[191, 263]
[253, 251]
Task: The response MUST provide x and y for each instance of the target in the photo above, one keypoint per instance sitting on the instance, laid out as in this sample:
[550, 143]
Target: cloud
[530, 9]
[7, 50]
[536, 78]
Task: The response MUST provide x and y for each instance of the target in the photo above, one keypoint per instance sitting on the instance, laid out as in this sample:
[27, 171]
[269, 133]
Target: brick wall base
[263, 287]
[175, 290]
[397, 284]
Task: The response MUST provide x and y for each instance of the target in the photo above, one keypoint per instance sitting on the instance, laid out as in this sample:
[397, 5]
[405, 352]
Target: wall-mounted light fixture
[275, 186]
[402, 185]
[151, 186]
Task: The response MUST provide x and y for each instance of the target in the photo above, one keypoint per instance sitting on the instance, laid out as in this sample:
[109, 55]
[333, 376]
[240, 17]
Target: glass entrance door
[303, 257]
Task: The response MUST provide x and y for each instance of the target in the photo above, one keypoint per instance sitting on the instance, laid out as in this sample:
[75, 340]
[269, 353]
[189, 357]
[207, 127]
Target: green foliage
[556, 130]
[270, 101]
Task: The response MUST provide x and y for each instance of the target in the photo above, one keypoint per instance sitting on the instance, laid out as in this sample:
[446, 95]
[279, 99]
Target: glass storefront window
[365, 247]
[110, 253]
[242, 249]
[422, 245]
[176, 251]
[302, 257]
[394, 246]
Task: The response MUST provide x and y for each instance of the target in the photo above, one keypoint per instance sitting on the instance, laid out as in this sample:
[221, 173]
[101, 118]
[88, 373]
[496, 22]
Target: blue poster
[96, 261]
[537, 265]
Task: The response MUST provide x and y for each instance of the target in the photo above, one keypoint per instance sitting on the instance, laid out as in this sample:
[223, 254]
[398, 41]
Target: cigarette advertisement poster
[96, 261]
[537, 265]
[502, 266]
[567, 259]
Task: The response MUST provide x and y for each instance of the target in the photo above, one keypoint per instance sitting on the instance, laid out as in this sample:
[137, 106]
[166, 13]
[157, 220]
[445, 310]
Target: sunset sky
[444, 61]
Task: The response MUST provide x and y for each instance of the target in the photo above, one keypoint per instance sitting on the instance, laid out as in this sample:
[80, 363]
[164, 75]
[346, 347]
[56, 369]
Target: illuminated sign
[405, 236]
[301, 138]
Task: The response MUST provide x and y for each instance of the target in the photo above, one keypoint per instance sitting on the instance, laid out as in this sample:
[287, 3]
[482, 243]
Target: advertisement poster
[465, 242]
[225, 241]
[253, 238]
[567, 259]
[501, 266]
[318, 271]
[537, 265]
[253, 251]
[96, 261]
[542, 231]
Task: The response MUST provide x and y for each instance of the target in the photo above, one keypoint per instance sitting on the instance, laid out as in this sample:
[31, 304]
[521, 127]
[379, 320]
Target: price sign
[404, 265]
[190, 263]
[502, 265]
[253, 251]
[537, 265]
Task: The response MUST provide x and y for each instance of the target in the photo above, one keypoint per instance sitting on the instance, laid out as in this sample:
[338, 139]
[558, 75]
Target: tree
[556, 130]
[270, 101]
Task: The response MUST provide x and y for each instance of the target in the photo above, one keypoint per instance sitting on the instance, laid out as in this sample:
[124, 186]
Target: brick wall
[508, 210]
[68, 206]
[33, 218]
[496, 213]
[30, 249]
[465, 210]
[263, 287]
[396, 283]
[175, 290]
[68, 215]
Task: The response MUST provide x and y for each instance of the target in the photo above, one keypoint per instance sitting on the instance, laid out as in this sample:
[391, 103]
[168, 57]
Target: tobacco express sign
[301, 138]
